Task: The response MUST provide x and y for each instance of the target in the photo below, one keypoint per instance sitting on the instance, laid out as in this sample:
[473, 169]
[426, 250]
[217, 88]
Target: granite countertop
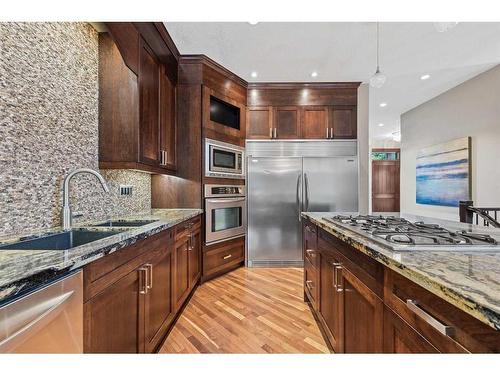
[24, 270]
[468, 280]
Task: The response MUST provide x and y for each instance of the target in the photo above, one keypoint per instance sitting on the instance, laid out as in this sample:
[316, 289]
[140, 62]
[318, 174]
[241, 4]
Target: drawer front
[446, 327]
[368, 270]
[224, 257]
[311, 244]
[183, 229]
[311, 283]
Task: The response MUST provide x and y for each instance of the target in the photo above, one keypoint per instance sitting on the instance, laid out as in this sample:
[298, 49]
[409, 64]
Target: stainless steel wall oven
[225, 210]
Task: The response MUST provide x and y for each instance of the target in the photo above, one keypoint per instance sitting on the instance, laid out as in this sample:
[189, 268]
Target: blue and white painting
[443, 173]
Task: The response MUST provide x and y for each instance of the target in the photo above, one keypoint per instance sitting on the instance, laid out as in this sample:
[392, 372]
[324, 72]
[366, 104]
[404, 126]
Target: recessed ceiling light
[384, 104]
[380, 124]
[253, 74]
[253, 22]
[314, 74]
[425, 76]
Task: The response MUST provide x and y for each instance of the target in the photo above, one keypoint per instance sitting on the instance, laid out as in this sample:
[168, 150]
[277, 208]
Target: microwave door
[223, 160]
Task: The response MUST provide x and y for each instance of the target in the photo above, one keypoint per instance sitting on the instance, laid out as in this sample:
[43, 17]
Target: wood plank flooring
[250, 310]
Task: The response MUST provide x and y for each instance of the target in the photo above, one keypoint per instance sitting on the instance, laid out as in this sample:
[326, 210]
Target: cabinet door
[149, 78]
[315, 123]
[362, 315]
[330, 302]
[159, 309]
[195, 258]
[168, 122]
[259, 123]
[311, 283]
[399, 337]
[343, 122]
[286, 122]
[181, 278]
[114, 317]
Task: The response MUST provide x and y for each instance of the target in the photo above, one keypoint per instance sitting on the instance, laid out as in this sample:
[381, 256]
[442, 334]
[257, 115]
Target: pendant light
[378, 79]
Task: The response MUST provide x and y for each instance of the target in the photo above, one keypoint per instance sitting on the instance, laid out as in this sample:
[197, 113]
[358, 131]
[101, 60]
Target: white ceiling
[289, 52]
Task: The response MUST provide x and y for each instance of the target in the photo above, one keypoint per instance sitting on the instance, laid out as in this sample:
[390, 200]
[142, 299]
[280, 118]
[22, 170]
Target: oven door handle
[225, 200]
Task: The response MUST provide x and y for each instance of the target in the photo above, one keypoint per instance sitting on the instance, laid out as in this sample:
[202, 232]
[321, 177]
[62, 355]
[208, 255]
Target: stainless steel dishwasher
[48, 320]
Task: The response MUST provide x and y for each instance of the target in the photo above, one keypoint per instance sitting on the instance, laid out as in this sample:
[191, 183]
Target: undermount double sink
[69, 239]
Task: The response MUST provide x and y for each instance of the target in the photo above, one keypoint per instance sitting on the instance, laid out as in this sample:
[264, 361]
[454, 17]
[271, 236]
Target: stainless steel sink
[61, 240]
[125, 223]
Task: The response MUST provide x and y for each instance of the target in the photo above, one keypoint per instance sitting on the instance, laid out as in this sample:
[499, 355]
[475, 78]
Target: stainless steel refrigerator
[285, 178]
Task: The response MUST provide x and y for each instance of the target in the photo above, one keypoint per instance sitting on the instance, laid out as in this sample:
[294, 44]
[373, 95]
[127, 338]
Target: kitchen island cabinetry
[366, 307]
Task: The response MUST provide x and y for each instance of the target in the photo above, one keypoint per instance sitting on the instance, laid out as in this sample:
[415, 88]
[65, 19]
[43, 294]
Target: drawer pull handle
[443, 329]
[338, 271]
[228, 256]
[310, 252]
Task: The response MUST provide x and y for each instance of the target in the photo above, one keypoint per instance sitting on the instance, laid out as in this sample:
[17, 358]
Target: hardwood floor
[250, 310]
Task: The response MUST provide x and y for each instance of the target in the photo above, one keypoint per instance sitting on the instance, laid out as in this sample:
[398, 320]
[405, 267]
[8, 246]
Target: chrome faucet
[67, 216]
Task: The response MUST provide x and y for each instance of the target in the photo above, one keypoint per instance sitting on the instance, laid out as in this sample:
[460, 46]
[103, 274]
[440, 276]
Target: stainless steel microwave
[224, 160]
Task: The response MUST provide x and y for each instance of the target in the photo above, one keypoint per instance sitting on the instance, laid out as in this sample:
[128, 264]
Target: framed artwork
[444, 173]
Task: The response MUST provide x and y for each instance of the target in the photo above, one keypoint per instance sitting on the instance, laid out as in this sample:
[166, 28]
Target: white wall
[364, 150]
[470, 109]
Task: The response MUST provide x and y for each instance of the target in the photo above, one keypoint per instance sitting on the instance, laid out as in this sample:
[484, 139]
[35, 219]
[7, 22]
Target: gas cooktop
[400, 234]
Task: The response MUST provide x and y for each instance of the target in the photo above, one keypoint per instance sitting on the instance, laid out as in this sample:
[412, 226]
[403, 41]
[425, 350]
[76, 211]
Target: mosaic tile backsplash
[49, 126]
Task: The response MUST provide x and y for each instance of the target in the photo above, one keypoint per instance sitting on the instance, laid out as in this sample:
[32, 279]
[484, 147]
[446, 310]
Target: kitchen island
[410, 301]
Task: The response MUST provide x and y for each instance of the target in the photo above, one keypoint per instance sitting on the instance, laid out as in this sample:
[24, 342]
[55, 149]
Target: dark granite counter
[470, 280]
[25, 270]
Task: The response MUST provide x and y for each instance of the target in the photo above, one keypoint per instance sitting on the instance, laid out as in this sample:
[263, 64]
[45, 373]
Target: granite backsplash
[49, 126]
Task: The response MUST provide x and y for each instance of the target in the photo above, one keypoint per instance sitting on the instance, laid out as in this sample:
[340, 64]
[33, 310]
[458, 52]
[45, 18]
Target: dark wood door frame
[385, 189]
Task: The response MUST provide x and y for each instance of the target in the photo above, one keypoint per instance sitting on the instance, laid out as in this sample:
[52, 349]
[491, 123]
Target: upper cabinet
[286, 122]
[315, 123]
[137, 100]
[302, 111]
[344, 121]
[259, 122]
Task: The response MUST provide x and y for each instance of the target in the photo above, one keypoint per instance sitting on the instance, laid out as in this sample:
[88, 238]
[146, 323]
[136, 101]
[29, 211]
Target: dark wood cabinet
[131, 297]
[181, 283]
[187, 259]
[195, 256]
[343, 121]
[113, 318]
[223, 257]
[362, 315]
[331, 302]
[168, 121]
[259, 123]
[159, 309]
[137, 109]
[315, 123]
[149, 99]
[399, 337]
[365, 307]
[286, 122]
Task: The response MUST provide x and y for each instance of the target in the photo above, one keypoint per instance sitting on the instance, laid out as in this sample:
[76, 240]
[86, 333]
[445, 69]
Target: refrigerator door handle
[306, 186]
[298, 197]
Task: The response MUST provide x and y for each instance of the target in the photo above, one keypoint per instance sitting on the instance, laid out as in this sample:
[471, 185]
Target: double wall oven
[225, 210]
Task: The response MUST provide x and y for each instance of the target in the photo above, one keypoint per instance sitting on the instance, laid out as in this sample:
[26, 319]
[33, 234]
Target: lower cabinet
[131, 297]
[399, 337]
[331, 302]
[113, 321]
[159, 309]
[362, 315]
[364, 307]
[223, 257]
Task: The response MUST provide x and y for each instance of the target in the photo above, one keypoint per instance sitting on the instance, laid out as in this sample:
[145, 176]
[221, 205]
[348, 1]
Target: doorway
[385, 179]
